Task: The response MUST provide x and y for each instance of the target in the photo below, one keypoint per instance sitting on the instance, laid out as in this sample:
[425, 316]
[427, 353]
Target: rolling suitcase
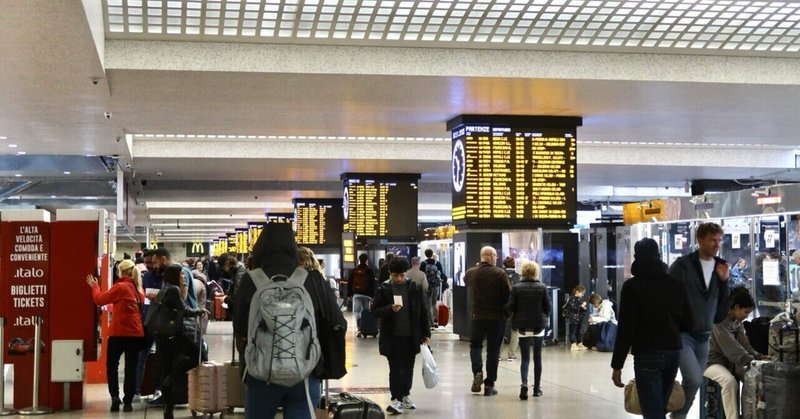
[784, 341]
[236, 388]
[219, 311]
[368, 325]
[208, 389]
[150, 374]
[347, 406]
[711, 400]
[443, 315]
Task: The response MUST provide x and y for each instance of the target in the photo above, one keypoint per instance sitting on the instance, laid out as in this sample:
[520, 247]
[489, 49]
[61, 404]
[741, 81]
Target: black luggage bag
[368, 325]
[757, 332]
[347, 406]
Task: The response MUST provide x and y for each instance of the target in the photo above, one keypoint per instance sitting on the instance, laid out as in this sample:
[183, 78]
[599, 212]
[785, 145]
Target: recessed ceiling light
[12, 145]
[67, 172]
[21, 153]
[52, 196]
[17, 175]
[3, 137]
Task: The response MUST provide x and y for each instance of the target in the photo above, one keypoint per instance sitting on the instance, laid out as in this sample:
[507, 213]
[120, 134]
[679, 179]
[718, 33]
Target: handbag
[676, 399]
[430, 371]
[162, 320]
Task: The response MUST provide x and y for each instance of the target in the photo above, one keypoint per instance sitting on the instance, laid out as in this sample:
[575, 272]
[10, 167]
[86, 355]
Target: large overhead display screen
[381, 205]
[318, 221]
[510, 171]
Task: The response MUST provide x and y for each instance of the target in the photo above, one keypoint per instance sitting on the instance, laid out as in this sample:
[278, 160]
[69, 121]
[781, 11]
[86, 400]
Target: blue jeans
[360, 303]
[655, 372]
[492, 331]
[525, 345]
[694, 357]
[263, 399]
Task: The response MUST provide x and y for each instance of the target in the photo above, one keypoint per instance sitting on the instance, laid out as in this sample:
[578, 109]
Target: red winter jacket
[126, 319]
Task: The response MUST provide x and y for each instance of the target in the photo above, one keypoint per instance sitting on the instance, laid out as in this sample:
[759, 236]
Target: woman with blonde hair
[528, 305]
[126, 334]
[308, 260]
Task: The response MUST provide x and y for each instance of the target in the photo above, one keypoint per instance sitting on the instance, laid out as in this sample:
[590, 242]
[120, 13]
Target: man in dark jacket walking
[705, 277]
[488, 289]
[404, 326]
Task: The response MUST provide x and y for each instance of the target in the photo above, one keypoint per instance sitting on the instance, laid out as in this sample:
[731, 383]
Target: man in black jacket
[705, 277]
[404, 326]
[488, 289]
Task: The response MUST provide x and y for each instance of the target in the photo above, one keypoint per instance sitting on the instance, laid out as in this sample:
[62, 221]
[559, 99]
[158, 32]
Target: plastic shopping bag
[430, 371]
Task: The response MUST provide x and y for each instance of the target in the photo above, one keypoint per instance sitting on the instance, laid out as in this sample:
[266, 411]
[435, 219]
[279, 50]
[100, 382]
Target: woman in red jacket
[126, 334]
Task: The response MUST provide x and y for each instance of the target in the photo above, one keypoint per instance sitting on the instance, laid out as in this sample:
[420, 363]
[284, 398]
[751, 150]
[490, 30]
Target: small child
[573, 313]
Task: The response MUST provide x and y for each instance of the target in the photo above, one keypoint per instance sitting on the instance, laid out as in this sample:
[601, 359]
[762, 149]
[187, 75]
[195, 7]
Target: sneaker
[157, 400]
[537, 392]
[127, 407]
[477, 382]
[115, 402]
[489, 391]
[582, 346]
[523, 392]
[512, 358]
[574, 347]
[137, 398]
[408, 404]
[396, 407]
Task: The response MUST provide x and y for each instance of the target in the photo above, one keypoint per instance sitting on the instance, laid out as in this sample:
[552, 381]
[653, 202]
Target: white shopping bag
[430, 371]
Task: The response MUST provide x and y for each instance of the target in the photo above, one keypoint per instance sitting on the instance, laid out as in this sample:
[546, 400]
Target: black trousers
[117, 346]
[177, 355]
[401, 365]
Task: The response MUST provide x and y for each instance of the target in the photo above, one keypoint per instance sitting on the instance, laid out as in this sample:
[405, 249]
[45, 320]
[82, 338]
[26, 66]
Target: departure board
[280, 217]
[512, 171]
[382, 205]
[319, 221]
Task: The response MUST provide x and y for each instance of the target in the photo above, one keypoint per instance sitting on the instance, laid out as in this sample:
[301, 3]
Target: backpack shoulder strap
[260, 279]
[298, 277]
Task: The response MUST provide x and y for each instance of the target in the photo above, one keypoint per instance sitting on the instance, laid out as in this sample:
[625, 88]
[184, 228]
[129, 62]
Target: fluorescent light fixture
[218, 204]
[253, 217]
[12, 145]
[434, 207]
[434, 218]
[218, 225]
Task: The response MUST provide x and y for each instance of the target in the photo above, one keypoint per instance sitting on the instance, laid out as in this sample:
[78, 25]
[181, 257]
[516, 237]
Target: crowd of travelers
[680, 317]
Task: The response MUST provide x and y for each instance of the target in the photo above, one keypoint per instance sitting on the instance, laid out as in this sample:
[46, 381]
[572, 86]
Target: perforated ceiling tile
[707, 25]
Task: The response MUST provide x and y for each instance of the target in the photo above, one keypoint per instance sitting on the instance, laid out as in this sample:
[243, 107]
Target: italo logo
[29, 273]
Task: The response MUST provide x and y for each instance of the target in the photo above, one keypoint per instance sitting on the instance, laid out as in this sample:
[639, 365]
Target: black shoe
[127, 407]
[523, 392]
[115, 402]
[489, 391]
[477, 382]
[537, 392]
[168, 411]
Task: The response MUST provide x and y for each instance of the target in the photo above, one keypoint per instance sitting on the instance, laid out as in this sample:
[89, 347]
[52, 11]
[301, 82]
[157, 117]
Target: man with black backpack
[437, 282]
[361, 287]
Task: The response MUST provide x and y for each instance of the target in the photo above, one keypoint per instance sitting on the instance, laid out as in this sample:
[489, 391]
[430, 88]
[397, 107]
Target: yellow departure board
[253, 232]
[508, 174]
[319, 221]
[380, 205]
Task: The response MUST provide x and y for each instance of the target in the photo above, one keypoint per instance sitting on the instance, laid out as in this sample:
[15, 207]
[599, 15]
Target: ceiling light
[12, 145]
[67, 172]
[253, 217]
[17, 175]
[21, 153]
[218, 204]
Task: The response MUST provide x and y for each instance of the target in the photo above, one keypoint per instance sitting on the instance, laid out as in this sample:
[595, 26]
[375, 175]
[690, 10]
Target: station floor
[575, 384]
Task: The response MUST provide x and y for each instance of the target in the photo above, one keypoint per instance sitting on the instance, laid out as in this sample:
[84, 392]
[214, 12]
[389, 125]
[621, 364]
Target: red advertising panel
[25, 295]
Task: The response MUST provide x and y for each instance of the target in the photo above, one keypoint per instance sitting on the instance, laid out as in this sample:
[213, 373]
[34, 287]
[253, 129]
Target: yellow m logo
[198, 247]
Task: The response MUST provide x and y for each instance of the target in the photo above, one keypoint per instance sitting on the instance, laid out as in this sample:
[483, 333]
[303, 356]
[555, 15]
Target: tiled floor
[575, 384]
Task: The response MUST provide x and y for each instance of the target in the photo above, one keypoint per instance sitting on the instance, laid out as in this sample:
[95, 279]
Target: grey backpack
[282, 345]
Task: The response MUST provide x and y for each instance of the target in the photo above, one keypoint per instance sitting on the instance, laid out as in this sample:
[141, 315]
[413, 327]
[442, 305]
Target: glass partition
[738, 251]
[769, 267]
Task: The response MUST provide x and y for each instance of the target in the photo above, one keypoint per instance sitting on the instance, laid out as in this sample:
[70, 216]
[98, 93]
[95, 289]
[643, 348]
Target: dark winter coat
[529, 305]
[420, 318]
[709, 304]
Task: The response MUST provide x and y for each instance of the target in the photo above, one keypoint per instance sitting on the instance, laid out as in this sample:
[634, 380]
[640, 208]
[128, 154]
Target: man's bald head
[489, 255]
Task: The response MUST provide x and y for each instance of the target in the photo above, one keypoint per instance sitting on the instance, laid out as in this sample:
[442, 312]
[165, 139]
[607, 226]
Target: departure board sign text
[380, 205]
[319, 221]
[514, 170]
